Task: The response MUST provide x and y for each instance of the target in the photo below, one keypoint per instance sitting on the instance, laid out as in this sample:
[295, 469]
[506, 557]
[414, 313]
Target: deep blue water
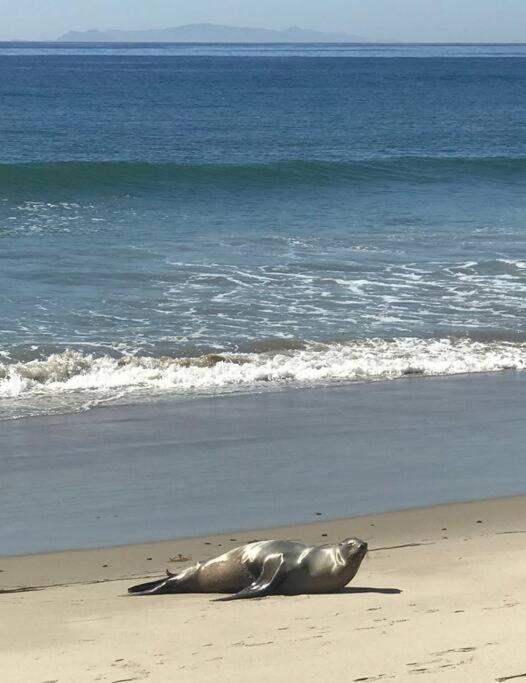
[168, 201]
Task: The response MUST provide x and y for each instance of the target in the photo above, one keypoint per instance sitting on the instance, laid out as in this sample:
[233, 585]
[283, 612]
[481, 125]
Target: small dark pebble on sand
[324, 535]
[445, 529]
[372, 524]
[149, 558]
[207, 543]
[319, 514]
[479, 521]
[219, 545]
[104, 565]
[233, 539]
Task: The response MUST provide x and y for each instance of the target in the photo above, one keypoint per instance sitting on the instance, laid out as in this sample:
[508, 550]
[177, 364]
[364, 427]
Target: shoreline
[168, 398]
[441, 593]
[296, 374]
[320, 521]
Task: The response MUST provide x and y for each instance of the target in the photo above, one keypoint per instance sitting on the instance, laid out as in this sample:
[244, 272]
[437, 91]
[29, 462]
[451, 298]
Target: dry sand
[441, 596]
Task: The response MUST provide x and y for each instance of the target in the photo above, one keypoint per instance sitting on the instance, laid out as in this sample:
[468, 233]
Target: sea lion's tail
[154, 587]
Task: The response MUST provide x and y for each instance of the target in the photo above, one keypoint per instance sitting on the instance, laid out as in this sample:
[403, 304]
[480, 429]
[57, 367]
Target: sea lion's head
[353, 551]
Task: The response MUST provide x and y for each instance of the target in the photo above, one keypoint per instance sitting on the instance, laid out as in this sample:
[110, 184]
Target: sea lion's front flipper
[270, 576]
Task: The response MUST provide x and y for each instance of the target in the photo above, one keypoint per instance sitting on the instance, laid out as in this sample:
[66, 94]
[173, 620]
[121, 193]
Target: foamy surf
[72, 380]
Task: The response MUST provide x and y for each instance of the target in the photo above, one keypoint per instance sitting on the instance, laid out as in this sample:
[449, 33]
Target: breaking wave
[135, 176]
[72, 380]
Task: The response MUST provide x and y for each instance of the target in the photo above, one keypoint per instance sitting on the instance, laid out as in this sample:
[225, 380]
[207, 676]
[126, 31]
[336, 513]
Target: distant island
[209, 33]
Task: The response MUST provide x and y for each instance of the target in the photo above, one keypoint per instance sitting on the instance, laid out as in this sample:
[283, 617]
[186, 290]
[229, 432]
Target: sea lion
[267, 567]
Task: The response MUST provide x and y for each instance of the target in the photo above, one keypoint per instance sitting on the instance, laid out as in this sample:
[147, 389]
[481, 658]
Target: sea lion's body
[264, 567]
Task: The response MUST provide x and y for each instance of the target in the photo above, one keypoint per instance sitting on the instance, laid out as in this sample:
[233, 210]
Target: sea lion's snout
[361, 548]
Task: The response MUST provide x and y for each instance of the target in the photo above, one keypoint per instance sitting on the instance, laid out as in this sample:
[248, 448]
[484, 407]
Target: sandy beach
[441, 595]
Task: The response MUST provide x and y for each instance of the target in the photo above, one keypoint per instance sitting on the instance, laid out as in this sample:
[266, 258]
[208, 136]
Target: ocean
[180, 221]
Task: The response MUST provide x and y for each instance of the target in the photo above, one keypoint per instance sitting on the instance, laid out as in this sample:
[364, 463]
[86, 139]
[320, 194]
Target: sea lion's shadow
[367, 589]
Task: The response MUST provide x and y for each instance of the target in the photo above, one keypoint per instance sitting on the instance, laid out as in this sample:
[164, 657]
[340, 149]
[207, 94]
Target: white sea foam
[69, 376]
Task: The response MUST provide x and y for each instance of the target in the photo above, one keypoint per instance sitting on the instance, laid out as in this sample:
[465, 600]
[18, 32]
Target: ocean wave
[134, 176]
[72, 374]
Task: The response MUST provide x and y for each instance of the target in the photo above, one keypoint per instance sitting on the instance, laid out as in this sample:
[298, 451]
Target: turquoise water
[306, 214]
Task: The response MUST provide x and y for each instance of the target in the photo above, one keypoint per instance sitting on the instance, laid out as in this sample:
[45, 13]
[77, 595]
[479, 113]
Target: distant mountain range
[209, 33]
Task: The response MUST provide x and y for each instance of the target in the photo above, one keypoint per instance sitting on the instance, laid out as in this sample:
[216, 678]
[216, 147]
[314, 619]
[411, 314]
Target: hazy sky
[405, 20]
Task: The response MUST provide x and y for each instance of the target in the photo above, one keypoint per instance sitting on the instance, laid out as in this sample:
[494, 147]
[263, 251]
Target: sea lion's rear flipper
[269, 578]
[168, 585]
[174, 583]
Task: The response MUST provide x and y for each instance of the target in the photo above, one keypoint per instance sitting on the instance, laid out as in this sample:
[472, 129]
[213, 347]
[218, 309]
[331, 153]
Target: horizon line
[53, 41]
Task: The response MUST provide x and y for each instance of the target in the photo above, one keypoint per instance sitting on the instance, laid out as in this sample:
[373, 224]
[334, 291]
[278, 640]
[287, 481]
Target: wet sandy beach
[142, 473]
